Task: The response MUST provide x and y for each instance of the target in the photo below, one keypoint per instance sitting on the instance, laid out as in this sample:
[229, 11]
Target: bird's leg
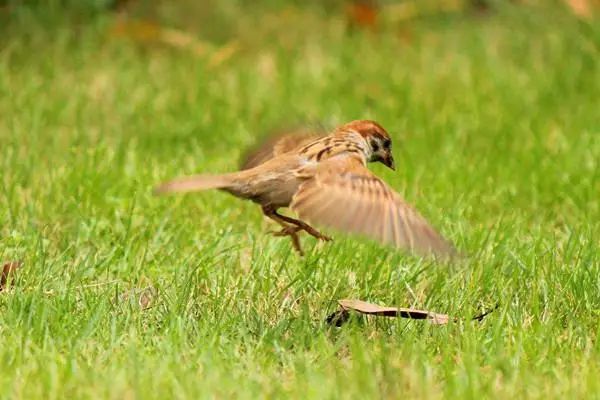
[304, 227]
[292, 232]
[287, 230]
[296, 225]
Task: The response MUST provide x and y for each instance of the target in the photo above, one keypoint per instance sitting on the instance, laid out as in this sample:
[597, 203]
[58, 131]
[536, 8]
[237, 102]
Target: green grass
[497, 140]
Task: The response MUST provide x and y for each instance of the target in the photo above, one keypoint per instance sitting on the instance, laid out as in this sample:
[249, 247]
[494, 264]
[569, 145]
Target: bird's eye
[374, 145]
[387, 143]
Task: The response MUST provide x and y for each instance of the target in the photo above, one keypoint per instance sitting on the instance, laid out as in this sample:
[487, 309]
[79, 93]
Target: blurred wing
[345, 195]
[278, 144]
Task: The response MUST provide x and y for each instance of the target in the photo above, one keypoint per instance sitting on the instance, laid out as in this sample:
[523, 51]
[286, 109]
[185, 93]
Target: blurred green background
[493, 109]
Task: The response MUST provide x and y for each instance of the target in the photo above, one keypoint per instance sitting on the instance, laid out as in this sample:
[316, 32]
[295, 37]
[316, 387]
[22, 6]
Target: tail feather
[194, 184]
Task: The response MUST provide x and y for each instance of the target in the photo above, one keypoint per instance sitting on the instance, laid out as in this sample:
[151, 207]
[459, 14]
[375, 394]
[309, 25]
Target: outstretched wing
[345, 195]
[279, 143]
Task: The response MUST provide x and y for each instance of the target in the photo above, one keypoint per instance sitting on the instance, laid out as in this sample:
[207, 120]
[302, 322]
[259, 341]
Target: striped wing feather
[278, 144]
[345, 195]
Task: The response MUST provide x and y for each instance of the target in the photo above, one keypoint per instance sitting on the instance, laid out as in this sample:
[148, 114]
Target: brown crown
[366, 128]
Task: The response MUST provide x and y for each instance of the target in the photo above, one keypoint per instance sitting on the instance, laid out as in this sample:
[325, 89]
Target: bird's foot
[292, 232]
[315, 233]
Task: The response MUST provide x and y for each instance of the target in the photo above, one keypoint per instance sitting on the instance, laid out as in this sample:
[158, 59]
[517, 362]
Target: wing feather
[279, 143]
[345, 195]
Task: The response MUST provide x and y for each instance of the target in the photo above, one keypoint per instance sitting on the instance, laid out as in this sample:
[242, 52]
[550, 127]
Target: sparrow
[325, 181]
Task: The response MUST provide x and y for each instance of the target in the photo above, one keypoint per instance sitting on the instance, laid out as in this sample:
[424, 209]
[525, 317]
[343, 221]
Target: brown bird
[325, 181]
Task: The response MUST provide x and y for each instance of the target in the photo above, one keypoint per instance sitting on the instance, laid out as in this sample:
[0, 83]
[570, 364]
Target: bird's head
[379, 143]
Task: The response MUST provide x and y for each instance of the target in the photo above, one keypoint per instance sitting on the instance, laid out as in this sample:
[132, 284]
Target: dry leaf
[147, 297]
[8, 269]
[143, 298]
[373, 309]
[340, 317]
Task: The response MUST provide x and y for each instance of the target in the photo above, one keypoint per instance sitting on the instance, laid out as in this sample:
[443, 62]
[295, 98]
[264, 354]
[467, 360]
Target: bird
[324, 180]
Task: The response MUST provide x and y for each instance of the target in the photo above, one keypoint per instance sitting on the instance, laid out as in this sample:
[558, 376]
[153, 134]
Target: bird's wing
[343, 194]
[279, 143]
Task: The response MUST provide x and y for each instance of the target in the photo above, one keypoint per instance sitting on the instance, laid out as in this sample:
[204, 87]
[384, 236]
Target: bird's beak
[389, 162]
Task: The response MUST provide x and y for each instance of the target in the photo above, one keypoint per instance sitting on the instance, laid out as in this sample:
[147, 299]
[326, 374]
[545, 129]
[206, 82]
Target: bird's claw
[315, 233]
[292, 232]
[324, 237]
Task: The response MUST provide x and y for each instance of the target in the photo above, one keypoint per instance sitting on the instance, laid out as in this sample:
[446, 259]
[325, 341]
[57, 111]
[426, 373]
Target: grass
[496, 129]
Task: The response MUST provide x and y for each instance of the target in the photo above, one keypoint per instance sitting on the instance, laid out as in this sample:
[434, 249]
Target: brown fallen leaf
[147, 298]
[143, 298]
[373, 309]
[346, 305]
[8, 269]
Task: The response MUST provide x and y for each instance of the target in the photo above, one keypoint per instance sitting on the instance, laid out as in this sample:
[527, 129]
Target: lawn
[496, 135]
